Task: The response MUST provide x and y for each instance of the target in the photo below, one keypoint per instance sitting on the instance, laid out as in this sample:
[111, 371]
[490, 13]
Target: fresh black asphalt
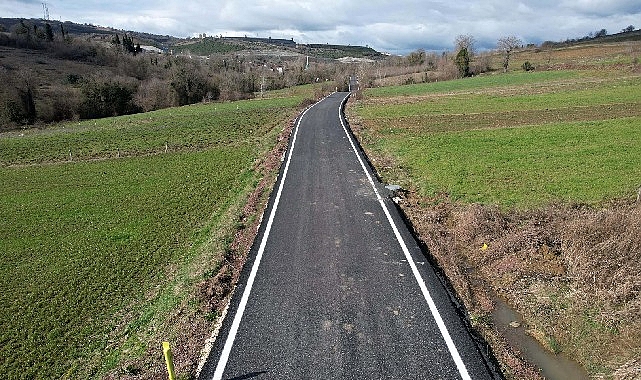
[334, 296]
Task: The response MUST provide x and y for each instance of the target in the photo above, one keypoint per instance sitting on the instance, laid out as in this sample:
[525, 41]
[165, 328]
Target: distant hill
[340, 51]
[92, 31]
[216, 45]
[204, 46]
[55, 71]
[634, 35]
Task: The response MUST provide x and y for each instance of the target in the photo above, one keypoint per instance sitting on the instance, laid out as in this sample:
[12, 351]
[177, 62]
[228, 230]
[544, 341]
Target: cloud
[397, 26]
[602, 8]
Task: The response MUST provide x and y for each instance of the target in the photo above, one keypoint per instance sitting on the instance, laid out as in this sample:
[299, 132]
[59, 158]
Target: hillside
[202, 46]
[91, 31]
[626, 36]
[216, 45]
[56, 71]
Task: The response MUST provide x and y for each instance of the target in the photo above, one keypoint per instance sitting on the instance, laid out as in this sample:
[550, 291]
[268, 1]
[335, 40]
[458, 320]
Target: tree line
[422, 66]
[463, 61]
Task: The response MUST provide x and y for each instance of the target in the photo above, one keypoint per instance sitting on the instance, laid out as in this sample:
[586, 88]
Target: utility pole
[262, 86]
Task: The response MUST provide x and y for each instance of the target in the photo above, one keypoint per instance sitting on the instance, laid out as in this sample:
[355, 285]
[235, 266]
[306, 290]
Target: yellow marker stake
[169, 359]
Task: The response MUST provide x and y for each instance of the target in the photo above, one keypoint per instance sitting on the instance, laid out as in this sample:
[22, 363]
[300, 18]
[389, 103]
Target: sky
[392, 26]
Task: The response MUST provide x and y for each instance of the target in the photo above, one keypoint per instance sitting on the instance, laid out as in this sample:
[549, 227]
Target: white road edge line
[421, 283]
[231, 337]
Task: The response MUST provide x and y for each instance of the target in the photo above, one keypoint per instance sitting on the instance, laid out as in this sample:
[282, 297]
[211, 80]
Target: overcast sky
[394, 26]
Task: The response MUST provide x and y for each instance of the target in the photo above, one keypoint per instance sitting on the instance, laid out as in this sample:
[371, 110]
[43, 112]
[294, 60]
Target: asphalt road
[336, 287]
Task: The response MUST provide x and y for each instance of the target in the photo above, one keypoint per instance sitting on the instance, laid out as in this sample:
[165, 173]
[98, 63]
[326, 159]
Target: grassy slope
[523, 141]
[99, 251]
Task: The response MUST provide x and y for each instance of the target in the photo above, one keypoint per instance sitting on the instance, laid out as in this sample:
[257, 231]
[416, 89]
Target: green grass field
[208, 46]
[517, 140]
[98, 250]
[514, 79]
[182, 129]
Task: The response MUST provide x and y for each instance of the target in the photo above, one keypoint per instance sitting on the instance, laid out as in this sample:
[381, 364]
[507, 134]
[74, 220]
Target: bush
[77, 51]
[60, 103]
[191, 83]
[138, 67]
[20, 108]
[18, 97]
[108, 98]
[527, 66]
[155, 94]
[463, 63]
[447, 69]
[482, 64]
[8, 108]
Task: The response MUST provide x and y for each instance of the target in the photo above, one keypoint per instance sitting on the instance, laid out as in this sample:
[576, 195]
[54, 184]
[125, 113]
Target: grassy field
[590, 56]
[542, 170]
[521, 139]
[208, 46]
[101, 246]
[582, 162]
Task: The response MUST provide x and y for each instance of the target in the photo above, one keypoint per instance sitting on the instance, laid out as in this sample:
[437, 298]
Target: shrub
[138, 67]
[527, 66]
[463, 63]
[108, 98]
[18, 97]
[155, 94]
[60, 103]
[481, 64]
[447, 69]
[191, 83]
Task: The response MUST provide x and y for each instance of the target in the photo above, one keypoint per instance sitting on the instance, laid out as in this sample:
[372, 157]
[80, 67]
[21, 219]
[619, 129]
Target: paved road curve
[336, 287]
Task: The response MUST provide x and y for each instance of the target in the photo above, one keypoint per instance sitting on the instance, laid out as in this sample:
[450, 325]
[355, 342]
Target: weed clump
[527, 66]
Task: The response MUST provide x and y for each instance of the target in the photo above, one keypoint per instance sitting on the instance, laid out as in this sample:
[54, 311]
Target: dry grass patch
[555, 265]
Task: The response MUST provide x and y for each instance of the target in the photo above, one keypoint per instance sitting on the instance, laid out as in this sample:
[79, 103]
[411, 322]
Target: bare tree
[465, 41]
[507, 45]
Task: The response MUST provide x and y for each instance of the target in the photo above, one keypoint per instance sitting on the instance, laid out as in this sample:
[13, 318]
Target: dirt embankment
[572, 271]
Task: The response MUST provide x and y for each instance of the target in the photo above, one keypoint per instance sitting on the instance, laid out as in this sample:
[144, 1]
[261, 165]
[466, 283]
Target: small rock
[393, 188]
[515, 324]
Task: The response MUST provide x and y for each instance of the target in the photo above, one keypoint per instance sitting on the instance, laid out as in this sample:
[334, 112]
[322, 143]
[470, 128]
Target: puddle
[553, 367]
